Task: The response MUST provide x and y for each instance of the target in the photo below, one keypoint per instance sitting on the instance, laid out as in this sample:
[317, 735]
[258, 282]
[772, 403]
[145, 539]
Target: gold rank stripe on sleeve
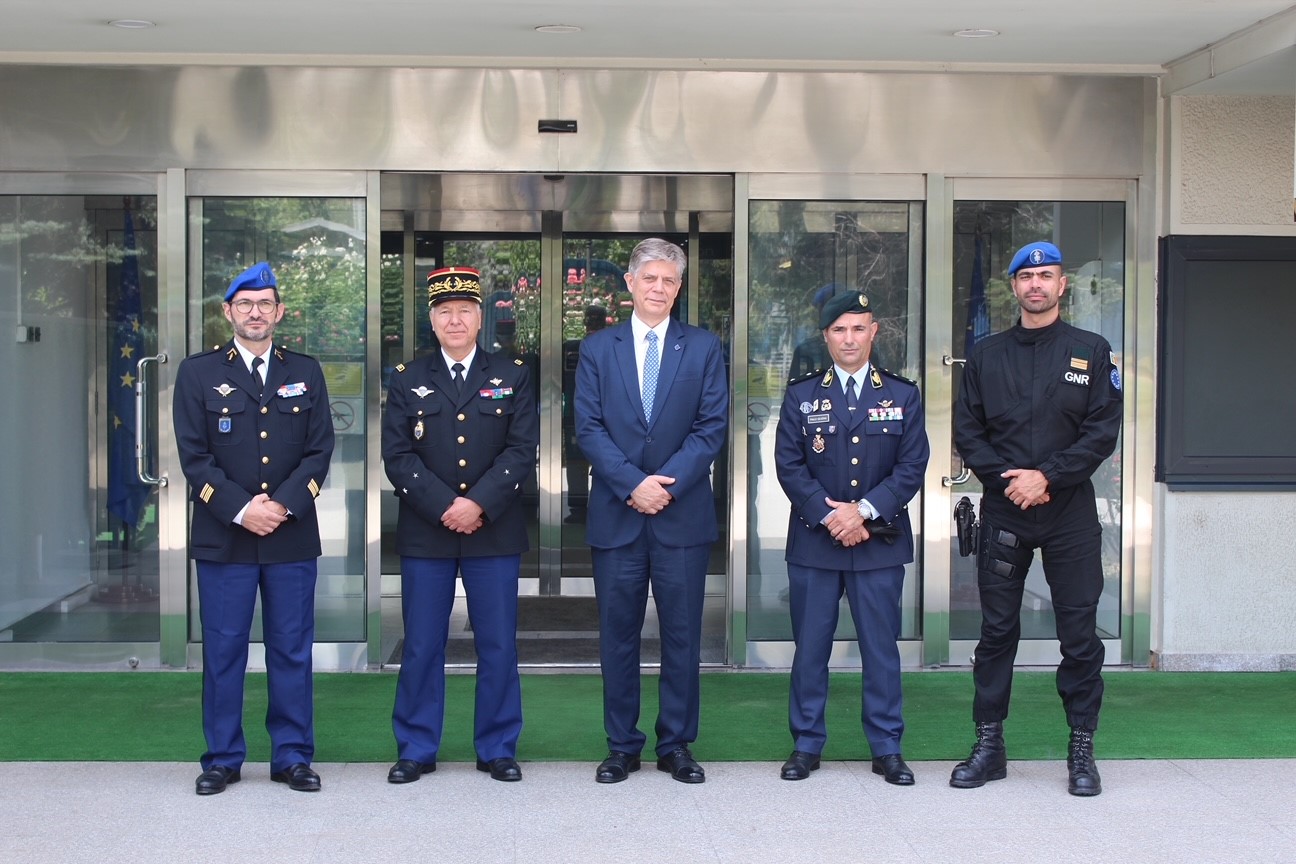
[207, 492]
[313, 487]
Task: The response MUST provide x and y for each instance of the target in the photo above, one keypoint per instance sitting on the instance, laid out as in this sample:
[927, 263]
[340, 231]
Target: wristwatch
[865, 511]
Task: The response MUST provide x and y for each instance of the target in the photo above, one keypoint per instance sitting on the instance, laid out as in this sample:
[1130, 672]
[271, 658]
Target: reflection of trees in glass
[803, 252]
[316, 247]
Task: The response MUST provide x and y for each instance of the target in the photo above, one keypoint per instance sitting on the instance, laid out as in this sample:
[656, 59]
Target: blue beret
[847, 301]
[1039, 254]
[254, 278]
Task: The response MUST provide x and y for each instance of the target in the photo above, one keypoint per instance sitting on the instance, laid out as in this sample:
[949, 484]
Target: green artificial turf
[156, 716]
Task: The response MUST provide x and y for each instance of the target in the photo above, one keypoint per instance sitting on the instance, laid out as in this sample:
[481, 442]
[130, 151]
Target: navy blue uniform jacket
[235, 444]
[481, 445]
[821, 452]
[690, 416]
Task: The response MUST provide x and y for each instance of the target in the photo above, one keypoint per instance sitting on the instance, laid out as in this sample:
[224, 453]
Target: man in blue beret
[1039, 410]
[851, 449]
[255, 437]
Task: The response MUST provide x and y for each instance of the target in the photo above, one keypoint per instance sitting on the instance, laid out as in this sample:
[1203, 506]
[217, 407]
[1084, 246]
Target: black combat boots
[988, 760]
[1082, 773]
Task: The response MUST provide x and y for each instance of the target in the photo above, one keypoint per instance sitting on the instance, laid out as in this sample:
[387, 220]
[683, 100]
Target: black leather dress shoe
[681, 765]
[799, 765]
[616, 767]
[214, 780]
[893, 768]
[409, 770]
[299, 777]
[504, 768]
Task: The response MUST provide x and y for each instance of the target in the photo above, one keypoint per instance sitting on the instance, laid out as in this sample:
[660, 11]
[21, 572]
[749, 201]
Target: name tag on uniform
[495, 392]
[818, 418]
[288, 391]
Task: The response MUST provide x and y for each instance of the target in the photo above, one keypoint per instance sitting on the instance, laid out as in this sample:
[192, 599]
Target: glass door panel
[1091, 235]
[803, 253]
[316, 247]
[78, 284]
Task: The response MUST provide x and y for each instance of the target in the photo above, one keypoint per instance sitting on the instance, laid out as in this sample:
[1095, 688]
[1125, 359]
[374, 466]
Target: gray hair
[657, 249]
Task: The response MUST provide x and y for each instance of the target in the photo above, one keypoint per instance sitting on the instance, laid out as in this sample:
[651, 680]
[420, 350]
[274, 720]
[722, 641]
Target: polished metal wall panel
[147, 119]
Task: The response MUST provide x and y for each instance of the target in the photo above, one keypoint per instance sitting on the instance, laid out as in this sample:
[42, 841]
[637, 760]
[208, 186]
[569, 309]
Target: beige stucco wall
[1224, 593]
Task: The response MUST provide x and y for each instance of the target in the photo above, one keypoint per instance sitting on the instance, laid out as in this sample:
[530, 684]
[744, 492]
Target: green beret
[848, 301]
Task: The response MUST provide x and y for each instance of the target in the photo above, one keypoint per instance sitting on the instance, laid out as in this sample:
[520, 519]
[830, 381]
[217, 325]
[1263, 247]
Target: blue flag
[126, 494]
[978, 318]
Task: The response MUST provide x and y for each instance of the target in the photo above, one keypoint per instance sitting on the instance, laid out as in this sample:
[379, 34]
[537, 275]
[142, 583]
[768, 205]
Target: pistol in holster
[965, 522]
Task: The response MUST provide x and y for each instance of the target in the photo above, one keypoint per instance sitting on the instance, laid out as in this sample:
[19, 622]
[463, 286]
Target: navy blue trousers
[622, 579]
[427, 596]
[227, 597]
[814, 596]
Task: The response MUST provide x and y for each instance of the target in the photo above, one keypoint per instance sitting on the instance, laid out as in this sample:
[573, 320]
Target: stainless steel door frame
[1139, 335]
[185, 280]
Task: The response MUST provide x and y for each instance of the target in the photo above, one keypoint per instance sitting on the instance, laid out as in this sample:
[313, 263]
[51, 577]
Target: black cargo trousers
[1069, 538]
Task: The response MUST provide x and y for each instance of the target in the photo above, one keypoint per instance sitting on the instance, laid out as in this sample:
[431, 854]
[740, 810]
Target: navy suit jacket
[879, 454]
[480, 444]
[687, 432]
[235, 443]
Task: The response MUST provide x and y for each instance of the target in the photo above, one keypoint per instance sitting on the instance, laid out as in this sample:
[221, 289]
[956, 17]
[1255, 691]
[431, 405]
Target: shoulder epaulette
[806, 377]
[890, 374]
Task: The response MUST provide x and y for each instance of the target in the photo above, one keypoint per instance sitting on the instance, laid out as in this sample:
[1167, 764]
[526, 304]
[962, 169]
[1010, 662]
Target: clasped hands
[464, 515]
[263, 515]
[845, 523]
[650, 496]
[1026, 487]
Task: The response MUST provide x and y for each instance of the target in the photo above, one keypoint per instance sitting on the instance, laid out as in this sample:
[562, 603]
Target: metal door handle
[964, 476]
[952, 361]
[141, 413]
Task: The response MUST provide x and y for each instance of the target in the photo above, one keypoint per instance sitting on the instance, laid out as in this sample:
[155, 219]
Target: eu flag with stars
[978, 319]
[126, 493]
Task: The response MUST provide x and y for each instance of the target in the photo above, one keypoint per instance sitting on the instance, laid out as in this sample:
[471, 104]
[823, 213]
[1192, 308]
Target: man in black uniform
[255, 437]
[1039, 411]
[459, 438]
[850, 454]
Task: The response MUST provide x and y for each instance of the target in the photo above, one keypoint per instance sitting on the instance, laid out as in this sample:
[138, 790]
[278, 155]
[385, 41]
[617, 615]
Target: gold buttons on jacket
[265, 460]
[462, 418]
[854, 439]
[463, 463]
[463, 487]
[854, 460]
[296, 409]
[854, 482]
[460, 439]
[224, 410]
[265, 434]
[265, 486]
[265, 410]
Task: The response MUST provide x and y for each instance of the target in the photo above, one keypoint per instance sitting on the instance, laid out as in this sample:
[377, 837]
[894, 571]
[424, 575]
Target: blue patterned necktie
[652, 365]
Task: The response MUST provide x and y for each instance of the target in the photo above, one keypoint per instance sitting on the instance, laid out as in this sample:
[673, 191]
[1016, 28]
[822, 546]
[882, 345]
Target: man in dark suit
[651, 405]
[459, 438]
[851, 449]
[255, 436]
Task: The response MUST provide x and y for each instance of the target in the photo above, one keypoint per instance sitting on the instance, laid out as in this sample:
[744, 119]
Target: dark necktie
[457, 375]
[257, 363]
[852, 401]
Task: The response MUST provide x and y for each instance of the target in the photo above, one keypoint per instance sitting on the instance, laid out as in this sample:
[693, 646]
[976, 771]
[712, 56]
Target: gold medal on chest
[817, 445]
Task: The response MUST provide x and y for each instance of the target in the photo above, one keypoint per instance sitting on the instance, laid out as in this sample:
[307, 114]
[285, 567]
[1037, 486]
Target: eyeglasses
[265, 307]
